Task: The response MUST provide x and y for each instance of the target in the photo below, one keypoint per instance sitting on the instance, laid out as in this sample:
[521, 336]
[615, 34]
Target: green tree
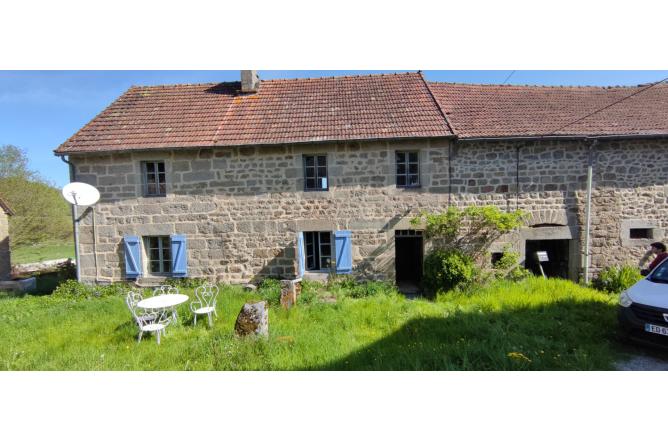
[470, 230]
[460, 239]
[41, 214]
[14, 163]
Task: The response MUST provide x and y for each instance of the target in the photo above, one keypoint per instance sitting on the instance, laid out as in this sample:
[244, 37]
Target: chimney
[250, 81]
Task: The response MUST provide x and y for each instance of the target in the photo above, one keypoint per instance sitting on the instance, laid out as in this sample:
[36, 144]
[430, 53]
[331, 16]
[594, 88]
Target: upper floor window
[408, 169]
[315, 173]
[153, 174]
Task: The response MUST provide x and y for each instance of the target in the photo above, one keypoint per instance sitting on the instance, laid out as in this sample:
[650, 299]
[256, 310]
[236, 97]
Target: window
[660, 274]
[315, 173]
[154, 178]
[318, 250]
[496, 257]
[407, 233]
[158, 251]
[408, 169]
[639, 233]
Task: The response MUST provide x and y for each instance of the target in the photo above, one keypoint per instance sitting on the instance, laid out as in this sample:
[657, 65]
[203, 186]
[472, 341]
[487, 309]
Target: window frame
[407, 163]
[164, 249]
[316, 175]
[158, 174]
[314, 248]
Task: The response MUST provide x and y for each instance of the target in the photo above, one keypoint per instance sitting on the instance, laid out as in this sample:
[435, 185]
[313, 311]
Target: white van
[643, 308]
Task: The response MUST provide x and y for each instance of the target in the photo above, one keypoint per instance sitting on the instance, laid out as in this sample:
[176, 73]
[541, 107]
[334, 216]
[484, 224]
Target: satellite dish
[81, 194]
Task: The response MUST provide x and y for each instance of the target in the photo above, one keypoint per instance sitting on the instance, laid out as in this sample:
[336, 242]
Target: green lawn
[42, 252]
[533, 325]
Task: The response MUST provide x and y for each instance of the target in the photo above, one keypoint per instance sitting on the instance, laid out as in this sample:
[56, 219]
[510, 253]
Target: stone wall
[631, 190]
[5, 261]
[241, 207]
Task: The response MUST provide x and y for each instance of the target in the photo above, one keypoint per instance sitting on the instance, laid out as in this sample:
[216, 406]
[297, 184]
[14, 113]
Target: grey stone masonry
[240, 208]
[5, 260]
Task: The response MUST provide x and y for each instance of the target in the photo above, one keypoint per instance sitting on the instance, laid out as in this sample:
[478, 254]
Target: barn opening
[409, 252]
[558, 252]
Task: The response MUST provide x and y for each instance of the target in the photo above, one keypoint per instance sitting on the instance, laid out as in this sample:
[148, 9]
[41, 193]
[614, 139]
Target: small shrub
[72, 289]
[508, 267]
[447, 269]
[114, 289]
[270, 290]
[348, 286]
[344, 281]
[67, 270]
[186, 283]
[311, 286]
[616, 279]
[76, 290]
[372, 288]
[310, 290]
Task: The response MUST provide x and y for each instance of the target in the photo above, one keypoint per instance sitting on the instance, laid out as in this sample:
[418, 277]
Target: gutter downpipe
[75, 221]
[590, 166]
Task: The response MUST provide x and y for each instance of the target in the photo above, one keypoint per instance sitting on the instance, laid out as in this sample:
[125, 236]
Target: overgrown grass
[535, 324]
[42, 252]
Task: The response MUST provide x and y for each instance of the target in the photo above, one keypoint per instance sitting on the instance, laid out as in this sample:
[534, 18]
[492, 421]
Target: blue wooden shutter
[344, 251]
[179, 256]
[301, 264]
[132, 256]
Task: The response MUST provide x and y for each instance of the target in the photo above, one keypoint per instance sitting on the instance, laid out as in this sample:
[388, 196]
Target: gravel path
[642, 363]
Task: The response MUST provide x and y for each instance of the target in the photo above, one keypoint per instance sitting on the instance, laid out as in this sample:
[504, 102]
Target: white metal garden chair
[166, 289]
[154, 322]
[132, 299]
[205, 304]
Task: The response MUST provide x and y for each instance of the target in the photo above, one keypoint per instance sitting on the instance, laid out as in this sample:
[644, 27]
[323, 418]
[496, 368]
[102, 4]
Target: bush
[470, 230]
[346, 282]
[616, 279]
[447, 269]
[350, 287]
[67, 270]
[186, 283]
[508, 267]
[72, 289]
[270, 290]
[76, 290]
[372, 288]
[309, 292]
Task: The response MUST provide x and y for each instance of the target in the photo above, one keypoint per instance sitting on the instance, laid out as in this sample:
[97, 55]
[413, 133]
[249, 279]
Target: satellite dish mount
[81, 194]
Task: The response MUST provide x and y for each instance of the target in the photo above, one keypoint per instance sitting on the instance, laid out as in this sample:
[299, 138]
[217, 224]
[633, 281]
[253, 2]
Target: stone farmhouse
[242, 180]
[5, 260]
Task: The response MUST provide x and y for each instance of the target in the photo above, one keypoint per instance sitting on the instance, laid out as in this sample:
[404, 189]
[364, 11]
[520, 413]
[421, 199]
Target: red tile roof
[362, 108]
[282, 111]
[510, 111]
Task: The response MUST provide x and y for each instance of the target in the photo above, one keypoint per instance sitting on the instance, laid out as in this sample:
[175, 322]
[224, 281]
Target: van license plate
[651, 328]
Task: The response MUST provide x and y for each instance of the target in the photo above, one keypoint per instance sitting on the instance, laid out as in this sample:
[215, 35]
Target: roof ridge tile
[541, 86]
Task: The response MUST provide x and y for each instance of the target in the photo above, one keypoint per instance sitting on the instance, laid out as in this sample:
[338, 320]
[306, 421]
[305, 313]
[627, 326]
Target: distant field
[42, 252]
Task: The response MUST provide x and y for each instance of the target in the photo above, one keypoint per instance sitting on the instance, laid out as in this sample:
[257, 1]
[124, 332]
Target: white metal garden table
[164, 303]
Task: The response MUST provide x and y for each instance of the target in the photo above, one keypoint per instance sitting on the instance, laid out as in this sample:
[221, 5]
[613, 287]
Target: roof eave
[268, 144]
[564, 137]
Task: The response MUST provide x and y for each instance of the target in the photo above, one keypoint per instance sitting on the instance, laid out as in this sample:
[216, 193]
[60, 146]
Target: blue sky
[41, 109]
